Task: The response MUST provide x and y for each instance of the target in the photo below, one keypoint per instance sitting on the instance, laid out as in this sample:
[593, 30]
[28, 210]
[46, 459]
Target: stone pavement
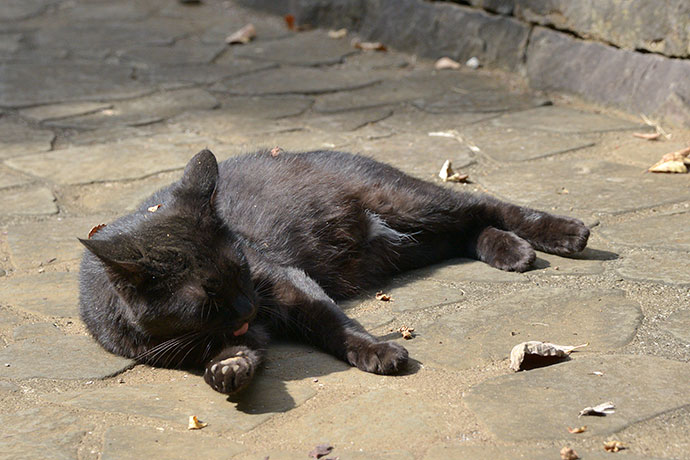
[102, 102]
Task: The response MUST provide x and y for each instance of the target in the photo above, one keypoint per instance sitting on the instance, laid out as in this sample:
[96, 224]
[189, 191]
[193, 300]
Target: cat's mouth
[242, 330]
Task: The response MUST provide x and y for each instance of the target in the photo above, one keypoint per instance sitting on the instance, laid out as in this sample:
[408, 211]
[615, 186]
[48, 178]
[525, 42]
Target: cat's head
[179, 269]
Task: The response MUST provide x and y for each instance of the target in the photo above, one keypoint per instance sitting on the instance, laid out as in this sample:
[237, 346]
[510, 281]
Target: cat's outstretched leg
[232, 369]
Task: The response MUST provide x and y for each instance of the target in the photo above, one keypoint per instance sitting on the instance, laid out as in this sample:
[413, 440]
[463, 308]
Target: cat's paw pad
[565, 236]
[379, 358]
[229, 375]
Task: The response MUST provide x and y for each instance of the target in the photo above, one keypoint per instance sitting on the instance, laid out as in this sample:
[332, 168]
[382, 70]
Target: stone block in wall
[657, 26]
[495, 6]
[638, 82]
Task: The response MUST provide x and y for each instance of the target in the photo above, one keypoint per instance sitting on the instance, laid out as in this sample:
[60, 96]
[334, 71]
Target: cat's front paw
[229, 375]
[378, 357]
[562, 236]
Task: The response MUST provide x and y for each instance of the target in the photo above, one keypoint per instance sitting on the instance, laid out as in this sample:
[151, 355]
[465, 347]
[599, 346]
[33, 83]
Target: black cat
[259, 246]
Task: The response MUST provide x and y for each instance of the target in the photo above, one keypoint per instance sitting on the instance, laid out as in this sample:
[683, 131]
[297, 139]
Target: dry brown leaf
[337, 34]
[383, 297]
[406, 332]
[568, 454]
[368, 46]
[291, 24]
[600, 409]
[95, 230]
[275, 151]
[648, 136]
[448, 175]
[195, 423]
[320, 451]
[517, 354]
[446, 63]
[580, 429]
[563, 191]
[673, 162]
[242, 36]
[154, 208]
[613, 446]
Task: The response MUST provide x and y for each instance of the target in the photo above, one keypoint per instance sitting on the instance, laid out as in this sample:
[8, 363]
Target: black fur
[270, 241]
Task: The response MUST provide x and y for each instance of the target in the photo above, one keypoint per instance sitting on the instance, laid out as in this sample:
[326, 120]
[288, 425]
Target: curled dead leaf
[406, 332]
[451, 133]
[599, 410]
[291, 24]
[448, 175]
[544, 349]
[275, 151]
[195, 423]
[446, 63]
[337, 34]
[673, 162]
[154, 208]
[648, 136]
[580, 429]
[95, 230]
[383, 297]
[613, 446]
[568, 454]
[320, 451]
[368, 46]
[241, 36]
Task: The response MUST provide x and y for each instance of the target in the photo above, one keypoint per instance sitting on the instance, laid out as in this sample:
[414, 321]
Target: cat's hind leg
[232, 369]
[504, 250]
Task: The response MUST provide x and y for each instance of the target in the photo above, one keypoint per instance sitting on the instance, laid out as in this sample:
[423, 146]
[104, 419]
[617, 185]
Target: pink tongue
[242, 330]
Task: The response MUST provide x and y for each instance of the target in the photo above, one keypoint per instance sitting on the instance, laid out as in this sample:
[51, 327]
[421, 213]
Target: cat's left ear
[201, 175]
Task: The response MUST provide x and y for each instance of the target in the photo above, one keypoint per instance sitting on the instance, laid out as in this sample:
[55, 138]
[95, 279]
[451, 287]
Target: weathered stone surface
[57, 111]
[401, 419]
[176, 401]
[478, 336]
[461, 270]
[13, 10]
[636, 82]
[19, 139]
[35, 330]
[678, 324]
[8, 388]
[127, 442]
[592, 185]
[30, 202]
[664, 267]
[182, 52]
[465, 452]
[661, 231]
[48, 294]
[541, 403]
[290, 51]
[338, 452]
[639, 25]
[271, 108]
[57, 356]
[415, 121]
[484, 100]
[10, 44]
[125, 11]
[34, 244]
[129, 159]
[145, 110]
[510, 144]
[23, 84]
[349, 121]
[46, 432]
[495, 6]
[180, 75]
[296, 80]
[562, 120]
[416, 295]
[11, 179]
[588, 262]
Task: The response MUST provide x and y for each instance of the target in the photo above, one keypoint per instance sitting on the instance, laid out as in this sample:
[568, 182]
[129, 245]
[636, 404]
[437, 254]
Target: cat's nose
[243, 307]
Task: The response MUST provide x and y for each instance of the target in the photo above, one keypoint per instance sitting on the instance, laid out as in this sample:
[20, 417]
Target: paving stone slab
[481, 100]
[588, 262]
[35, 330]
[125, 11]
[56, 111]
[17, 139]
[348, 121]
[54, 356]
[30, 202]
[678, 324]
[129, 159]
[322, 50]
[47, 294]
[267, 107]
[478, 336]
[338, 452]
[182, 52]
[419, 294]
[8, 388]
[411, 120]
[10, 44]
[541, 403]
[23, 84]
[661, 231]
[180, 75]
[563, 120]
[11, 179]
[145, 110]
[464, 452]
[46, 432]
[34, 244]
[510, 144]
[464, 270]
[127, 442]
[399, 418]
[297, 80]
[13, 10]
[592, 185]
[664, 267]
[176, 401]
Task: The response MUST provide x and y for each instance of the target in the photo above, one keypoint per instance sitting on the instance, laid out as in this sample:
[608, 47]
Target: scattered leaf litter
[195, 423]
[673, 162]
[337, 34]
[600, 410]
[95, 230]
[154, 208]
[518, 353]
[579, 429]
[613, 446]
[446, 63]
[242, 36]
[383, 297]
[568, 453]
[368, 46]
[407, 332]
[448, 175]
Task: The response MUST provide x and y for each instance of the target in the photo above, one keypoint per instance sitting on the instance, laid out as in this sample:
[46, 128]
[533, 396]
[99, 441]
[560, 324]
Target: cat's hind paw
[379, 357]
[230, 375]
[560, 235]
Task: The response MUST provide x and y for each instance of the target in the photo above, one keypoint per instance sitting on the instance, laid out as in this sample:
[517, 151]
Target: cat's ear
[201, 175]
[120, 261]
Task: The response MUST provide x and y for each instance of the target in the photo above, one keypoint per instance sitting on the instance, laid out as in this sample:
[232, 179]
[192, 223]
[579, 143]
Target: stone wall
[630, 54]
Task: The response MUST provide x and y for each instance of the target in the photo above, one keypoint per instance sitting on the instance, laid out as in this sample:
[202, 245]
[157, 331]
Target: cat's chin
[242, 330]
